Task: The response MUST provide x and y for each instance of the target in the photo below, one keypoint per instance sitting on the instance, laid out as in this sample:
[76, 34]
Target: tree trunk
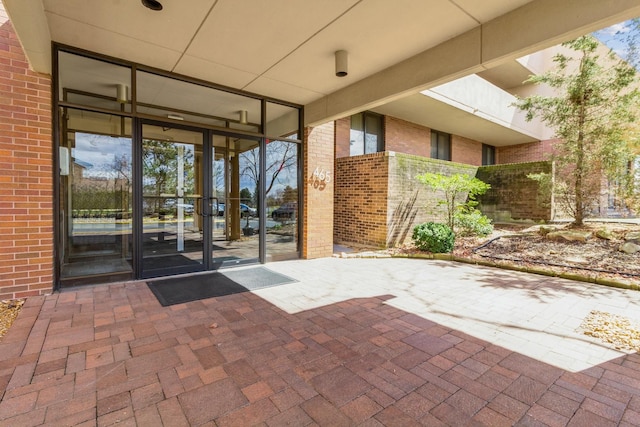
[579, 174]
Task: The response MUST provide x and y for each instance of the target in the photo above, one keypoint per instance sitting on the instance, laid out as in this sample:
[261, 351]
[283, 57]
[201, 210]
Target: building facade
[139, 144]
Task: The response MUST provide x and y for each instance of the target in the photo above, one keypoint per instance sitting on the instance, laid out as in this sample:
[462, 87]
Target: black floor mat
[178, 290]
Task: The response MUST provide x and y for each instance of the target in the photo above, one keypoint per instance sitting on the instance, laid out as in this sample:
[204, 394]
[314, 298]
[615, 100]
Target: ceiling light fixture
[122, 93]
[341, 63]
[244, 117]
[175, 116]
[152, 4]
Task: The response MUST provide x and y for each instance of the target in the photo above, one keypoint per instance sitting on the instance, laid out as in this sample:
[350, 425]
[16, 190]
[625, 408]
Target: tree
[246, 196]
[459, 190]
[160, 169]
[281, 165]
[595, 100]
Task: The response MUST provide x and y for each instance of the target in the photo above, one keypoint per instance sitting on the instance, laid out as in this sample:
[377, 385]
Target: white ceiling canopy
[285, 48]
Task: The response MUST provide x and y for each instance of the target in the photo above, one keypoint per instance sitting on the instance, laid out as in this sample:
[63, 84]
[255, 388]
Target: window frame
[439, 138]
[380, 147]
[488, 159]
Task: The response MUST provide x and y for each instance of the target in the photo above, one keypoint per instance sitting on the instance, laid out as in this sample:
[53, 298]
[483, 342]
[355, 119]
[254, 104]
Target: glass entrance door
[199, 200]
[173, 219]
[235, 174]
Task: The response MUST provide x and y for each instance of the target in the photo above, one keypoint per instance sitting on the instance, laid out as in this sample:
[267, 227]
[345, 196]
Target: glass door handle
[213, 207]
[201, 210]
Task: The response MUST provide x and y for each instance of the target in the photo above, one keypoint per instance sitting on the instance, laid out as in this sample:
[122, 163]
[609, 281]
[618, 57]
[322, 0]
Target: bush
[473, 223]
[433, 237]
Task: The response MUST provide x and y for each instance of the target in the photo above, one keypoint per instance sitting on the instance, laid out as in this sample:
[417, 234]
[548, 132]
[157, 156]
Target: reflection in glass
[94, 83]
[95, 197]
[162, 96]
[281, 177]
[282, 121]
[171, 198]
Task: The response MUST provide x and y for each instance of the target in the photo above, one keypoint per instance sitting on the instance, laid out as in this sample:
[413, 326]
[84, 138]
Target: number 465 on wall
[320, 178]
[322, 175]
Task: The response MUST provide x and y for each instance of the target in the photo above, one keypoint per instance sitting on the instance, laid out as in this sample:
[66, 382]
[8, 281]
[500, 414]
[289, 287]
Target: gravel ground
[618, 331]
[9, 310]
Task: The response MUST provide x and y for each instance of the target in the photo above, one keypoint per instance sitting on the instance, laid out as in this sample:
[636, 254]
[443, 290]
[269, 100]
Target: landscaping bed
[528, 248]
[9, 310]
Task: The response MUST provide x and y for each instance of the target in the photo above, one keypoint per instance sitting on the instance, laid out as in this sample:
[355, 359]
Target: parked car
[244, 209]
[248, 210]
[172, 205]
[288, 210]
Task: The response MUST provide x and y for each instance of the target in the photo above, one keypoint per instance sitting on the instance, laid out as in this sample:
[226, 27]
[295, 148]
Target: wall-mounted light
[152, 4]
[175, 116]
[122, 93]
[342, 63]
[244, 117]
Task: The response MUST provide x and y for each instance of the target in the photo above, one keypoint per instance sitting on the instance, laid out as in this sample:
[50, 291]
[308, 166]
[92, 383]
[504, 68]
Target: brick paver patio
[353, 342]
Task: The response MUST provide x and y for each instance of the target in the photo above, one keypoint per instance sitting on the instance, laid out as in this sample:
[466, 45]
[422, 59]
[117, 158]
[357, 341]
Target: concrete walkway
[352, 342]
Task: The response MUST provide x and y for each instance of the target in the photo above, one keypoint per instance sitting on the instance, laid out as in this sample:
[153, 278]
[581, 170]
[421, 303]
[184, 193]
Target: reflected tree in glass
[160, 168]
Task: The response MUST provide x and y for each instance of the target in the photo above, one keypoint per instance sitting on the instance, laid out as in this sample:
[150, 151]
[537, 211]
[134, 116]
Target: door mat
[178, 290]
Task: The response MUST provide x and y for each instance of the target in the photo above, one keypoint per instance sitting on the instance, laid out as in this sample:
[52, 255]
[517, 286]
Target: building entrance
[194, 216]
[159, 174]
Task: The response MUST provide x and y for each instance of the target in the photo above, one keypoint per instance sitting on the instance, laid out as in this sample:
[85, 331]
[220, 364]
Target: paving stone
[428, 343]
[324, 413]
[340, 385]
[111, 355]
[211, 401]
[526, 390]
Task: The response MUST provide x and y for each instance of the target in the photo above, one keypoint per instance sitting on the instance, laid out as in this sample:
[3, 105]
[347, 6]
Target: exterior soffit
[395, 51]
[503, 39]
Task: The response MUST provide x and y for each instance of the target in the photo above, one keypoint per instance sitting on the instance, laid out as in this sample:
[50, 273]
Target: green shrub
[433, 237]
[472, 223]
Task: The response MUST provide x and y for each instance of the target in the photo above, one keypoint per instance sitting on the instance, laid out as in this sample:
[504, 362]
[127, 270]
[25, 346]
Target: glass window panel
[373, 126]
[201, 104]
[434, 145]
[356, 136]
[95, 197]
[282, 121]
[282, 199]
[241, 204]
[93, 82]
[171, 194]
[171, 113]
[488, 154]
[98, 123]
[440, 145]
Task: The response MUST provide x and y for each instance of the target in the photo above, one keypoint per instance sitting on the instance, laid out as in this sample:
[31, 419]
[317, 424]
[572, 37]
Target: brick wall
[343, 133]
[523, 153]
[378, 201]
[513, 195]
[26, 173]
[361, 200]
[410, 202]
[317, 236]
[467, 151]
[406, 137]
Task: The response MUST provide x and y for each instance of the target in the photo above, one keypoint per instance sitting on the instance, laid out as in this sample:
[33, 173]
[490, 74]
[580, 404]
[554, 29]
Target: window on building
[366, 134]
[488, 155]
[440, 145]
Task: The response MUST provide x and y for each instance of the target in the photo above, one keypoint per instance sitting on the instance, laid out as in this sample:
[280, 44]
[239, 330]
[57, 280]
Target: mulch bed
[522, 246]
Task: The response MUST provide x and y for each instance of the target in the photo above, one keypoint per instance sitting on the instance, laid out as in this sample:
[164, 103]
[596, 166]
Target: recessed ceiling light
[152, 4]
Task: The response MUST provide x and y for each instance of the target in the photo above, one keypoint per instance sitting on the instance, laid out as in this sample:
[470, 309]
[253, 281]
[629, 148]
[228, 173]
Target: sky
[615, 36]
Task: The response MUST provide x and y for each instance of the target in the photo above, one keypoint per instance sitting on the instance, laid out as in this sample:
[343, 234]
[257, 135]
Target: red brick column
[26, 173]
[318, 154]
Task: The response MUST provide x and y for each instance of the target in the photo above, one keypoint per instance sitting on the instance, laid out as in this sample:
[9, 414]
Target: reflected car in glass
[286, 211]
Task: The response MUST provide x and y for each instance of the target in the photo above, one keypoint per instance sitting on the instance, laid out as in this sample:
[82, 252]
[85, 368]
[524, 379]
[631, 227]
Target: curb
[532, 270]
